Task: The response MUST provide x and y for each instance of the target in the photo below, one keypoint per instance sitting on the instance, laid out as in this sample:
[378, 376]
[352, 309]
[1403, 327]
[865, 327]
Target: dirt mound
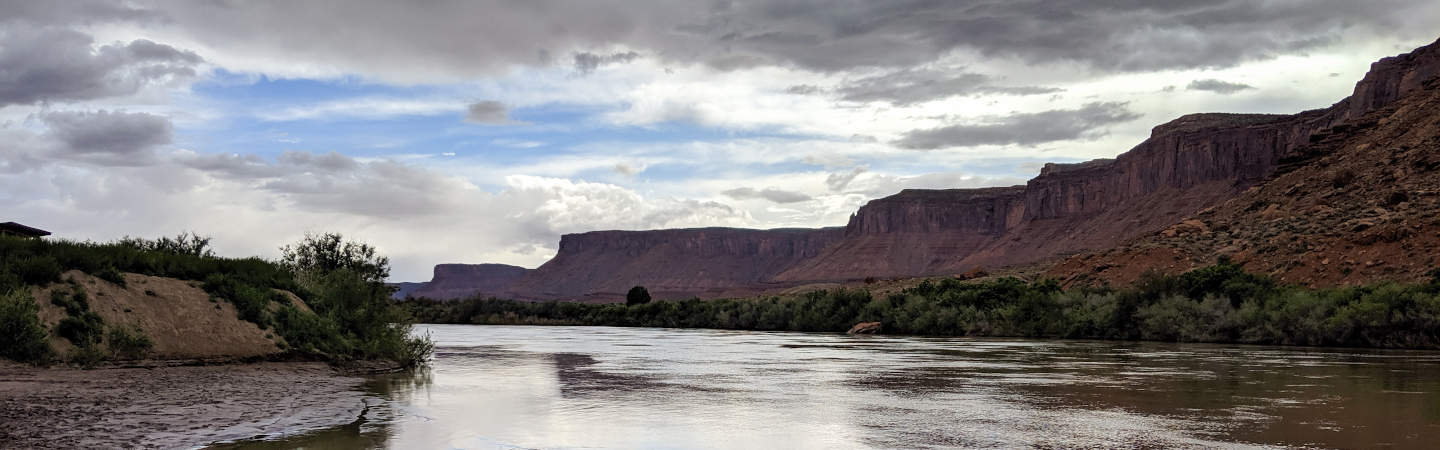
[178, 316]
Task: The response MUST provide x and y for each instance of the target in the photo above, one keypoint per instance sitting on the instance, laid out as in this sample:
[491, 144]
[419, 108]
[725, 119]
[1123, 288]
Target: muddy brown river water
[601, 387]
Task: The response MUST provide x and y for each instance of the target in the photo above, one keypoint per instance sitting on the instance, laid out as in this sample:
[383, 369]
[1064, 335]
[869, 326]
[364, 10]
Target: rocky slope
[1189, 165]
[1360, 203]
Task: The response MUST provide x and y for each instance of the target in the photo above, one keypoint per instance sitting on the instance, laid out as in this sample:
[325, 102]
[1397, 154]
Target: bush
[112, 275]
[83, 330]
[37, 270]
[22, 336]
[638, 295]
[129, 343]
[252, 303]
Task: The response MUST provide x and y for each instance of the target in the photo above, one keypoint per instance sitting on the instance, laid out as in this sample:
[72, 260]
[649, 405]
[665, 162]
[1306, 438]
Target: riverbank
[1215, 304]
[171, 407]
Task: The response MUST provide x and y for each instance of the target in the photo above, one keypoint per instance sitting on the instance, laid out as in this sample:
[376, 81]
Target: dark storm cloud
[71, 12]
[905, 87]
[403, 40]
[1023, 129]
[586, 62]
[55, 65]
[488, 112]
[1217, 86]
[115, 138]
[771, 194]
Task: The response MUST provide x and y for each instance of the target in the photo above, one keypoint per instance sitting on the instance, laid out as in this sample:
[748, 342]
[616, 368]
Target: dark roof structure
[21, 230]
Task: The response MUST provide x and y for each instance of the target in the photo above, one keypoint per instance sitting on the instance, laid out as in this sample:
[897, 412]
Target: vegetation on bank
[351, 314]
[1219, 303]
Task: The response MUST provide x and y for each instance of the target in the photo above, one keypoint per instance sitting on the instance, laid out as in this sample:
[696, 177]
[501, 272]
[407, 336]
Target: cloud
[364, 108]
[1022, 129]
[837, 181]
[804, 89]
[1217, 86]
[1104, 36]
[910, 86]
[586, 62]
[629, 170]
[115, 138]
[771, 194]
[488, 112]
[43, 65]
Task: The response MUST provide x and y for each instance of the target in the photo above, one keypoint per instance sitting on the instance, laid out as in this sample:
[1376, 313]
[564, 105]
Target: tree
[637, 296]
[323, 254]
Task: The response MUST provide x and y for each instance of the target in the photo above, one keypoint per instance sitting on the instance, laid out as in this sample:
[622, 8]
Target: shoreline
[172, 406]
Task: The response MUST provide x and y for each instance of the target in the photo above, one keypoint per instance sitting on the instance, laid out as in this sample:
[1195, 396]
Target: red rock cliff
[1185, 166]
[452, 281]
[669, 263]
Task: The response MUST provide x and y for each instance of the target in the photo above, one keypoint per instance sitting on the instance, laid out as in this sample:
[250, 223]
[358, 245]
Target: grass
[1219, 303]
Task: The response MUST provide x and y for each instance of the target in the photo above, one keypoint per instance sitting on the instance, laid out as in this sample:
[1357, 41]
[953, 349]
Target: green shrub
[112, 275]
[22, 336]
[129, 343]
[83, 330]
[251, 303]
[37, 270]
[88, 356]
[638, 295]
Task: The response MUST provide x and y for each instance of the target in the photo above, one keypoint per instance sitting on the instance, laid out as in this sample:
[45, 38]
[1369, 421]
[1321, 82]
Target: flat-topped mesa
[701, 242]
[452, 281]
[670, 263]
[982, 210]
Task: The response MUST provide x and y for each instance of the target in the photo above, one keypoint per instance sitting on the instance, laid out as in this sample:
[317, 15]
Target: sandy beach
[170, 407]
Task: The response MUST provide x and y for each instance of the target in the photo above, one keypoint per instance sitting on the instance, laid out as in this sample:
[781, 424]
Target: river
[603, 387]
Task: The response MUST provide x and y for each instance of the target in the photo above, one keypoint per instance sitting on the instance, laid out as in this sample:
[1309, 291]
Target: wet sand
[171, 407]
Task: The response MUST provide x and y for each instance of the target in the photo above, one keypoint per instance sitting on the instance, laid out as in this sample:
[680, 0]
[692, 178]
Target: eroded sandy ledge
[170, 407]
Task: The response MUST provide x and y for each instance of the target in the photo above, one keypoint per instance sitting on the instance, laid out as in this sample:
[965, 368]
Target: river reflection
[599, 387]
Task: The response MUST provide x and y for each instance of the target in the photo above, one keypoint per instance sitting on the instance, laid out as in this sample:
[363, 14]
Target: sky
[471, 131]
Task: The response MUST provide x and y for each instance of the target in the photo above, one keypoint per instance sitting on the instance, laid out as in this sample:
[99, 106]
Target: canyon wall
[451, 281]
[1187, 165]
[603, 265]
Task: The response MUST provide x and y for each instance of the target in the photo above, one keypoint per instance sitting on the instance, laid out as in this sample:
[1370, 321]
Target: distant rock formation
[603, 265]
[1188, 165]
[452, 281]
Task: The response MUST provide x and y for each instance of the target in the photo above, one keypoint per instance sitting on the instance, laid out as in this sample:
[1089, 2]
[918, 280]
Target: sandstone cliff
[603, 265]
[1186, 166]
[1357, 204]
[451, 281]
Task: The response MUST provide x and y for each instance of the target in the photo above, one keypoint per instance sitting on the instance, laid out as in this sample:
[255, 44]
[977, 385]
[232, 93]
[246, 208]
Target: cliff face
[451, 281]
[1362, 208]
[1190, 164]
[913, 233]
[603, 265]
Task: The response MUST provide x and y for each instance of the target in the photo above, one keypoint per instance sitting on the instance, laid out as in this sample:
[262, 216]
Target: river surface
[601, 387]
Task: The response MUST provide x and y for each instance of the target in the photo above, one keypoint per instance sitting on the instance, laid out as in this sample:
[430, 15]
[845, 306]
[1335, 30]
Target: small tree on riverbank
[638, 295]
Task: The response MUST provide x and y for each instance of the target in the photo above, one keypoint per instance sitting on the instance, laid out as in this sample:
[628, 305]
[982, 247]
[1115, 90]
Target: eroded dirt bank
[170, 407]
